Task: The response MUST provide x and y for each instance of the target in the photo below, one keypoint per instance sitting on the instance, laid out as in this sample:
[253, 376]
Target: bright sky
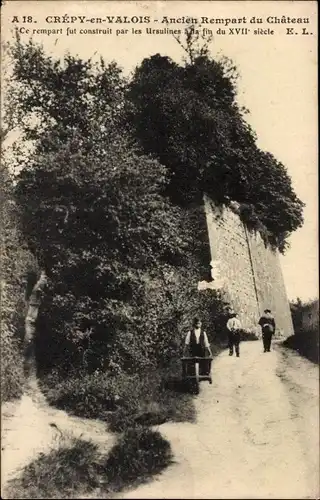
[278, 83]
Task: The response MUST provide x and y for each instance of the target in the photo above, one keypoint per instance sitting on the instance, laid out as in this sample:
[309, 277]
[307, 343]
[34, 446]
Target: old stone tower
[249, 272]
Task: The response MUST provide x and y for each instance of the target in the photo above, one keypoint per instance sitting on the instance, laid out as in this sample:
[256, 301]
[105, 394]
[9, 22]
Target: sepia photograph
[159, 249]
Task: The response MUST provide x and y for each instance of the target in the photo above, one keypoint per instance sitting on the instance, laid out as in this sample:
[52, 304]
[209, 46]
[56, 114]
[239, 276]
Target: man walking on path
[234, 327]
[268, 327]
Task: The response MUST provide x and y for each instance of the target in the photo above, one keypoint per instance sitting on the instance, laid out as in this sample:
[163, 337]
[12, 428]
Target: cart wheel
[195, 387]
[197, 381]
[185, 385]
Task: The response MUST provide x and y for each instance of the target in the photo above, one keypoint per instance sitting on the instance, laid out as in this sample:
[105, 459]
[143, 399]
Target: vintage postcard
[159, 249]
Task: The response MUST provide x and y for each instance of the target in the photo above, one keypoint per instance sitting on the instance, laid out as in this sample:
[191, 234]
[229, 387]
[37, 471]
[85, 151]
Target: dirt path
[256, 435]
[30, 427]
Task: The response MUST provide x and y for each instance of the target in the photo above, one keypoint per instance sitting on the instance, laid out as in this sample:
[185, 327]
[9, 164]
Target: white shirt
[197, 332]
[234, 324]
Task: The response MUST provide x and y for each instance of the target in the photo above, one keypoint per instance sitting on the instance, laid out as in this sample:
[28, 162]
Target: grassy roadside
[128, 405]
[122, 400]
[306, 342]
[77, 466]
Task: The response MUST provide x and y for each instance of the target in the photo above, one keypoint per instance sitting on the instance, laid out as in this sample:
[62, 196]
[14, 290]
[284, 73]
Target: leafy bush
[299, 309]
[11, 366]
[150, 401]
[214, 309]
[187, 116]
[305, 319]
[62, 473]
[122, 400]
[306, 343]
[115, 302]
[86, 395]
[16, 261]
[77, 467]
[139, 453]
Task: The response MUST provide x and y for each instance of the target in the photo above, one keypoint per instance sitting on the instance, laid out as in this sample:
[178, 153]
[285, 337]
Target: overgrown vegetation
[16, 265]
[305, 318]
[77, 466]
[123, 400]
[64, 471]
[12, 381]
[187, 116]
[109, 185]
[107, 199]
[138, 454]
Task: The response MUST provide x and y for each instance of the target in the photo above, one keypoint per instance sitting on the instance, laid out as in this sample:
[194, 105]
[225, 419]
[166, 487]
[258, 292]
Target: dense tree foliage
[123, 261]
[17, 264]
[105, 235]
[64, 96]
[110, 185]
[188, 117]
[306, 328]
[301, 308]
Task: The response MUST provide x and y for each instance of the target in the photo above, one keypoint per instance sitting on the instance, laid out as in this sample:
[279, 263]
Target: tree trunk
[30, 368]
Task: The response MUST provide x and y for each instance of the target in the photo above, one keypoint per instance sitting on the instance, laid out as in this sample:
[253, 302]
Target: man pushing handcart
[196, 363]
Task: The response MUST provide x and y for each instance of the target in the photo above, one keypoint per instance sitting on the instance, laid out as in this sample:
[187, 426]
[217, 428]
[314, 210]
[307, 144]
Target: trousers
[234, 342]
[266, 339]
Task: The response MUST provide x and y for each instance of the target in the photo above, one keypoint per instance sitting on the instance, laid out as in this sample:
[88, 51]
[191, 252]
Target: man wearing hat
[234, 327]
[268, 327]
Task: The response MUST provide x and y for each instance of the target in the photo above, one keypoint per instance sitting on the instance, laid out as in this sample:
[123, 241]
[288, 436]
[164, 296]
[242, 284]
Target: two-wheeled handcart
[194, 370]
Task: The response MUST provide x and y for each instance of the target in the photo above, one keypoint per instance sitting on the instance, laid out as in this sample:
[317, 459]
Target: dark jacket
[267, 323]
